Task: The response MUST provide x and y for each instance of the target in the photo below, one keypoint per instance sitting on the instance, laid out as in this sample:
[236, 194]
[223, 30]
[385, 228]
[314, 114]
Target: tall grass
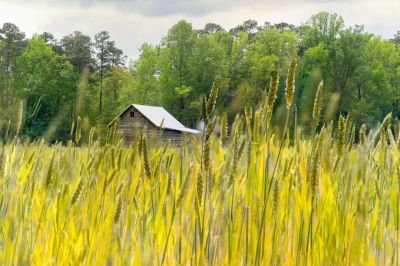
[332, 201]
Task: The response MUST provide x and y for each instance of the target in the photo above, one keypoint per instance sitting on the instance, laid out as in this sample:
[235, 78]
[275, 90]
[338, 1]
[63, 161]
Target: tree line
[49, 86]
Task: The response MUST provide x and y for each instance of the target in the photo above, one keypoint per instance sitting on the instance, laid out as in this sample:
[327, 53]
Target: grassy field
[92, 205]
[243, 198]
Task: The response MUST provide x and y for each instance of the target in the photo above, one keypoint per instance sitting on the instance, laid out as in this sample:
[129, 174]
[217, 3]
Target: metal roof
[159, 117]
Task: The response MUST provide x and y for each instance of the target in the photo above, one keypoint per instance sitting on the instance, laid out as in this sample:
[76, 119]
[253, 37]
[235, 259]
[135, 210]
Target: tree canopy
[43, 80]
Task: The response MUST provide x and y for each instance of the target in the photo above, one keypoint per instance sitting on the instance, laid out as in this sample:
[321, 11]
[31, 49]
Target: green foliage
[107, 56]
[12, 43]
[43, 74]
[77, 47]
[376, 85]
[361, 74]
[146, 71]
[177, 66]
[119, 82]
[270, 50]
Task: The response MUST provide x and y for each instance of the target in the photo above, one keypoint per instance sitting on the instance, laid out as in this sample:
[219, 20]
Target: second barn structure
[152, 121]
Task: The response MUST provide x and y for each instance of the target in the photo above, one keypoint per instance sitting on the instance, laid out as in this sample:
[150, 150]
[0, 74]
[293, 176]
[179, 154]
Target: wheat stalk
[340, 136]
[118, 210]
[77, 193]
[145, 150]
[317, 106]
[362, 133]
[271, 97]
[211, 103]
[290, 82]
[224, 127]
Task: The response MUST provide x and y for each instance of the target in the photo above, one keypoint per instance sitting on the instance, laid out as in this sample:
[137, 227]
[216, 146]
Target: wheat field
[244, 196]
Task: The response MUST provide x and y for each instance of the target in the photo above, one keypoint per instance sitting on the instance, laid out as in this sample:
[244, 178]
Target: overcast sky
[132, 22]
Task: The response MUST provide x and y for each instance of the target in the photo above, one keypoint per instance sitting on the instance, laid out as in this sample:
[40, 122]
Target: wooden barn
[154, 122]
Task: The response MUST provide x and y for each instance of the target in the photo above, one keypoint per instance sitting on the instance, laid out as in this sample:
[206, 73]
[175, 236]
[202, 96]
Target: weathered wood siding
[131, 129]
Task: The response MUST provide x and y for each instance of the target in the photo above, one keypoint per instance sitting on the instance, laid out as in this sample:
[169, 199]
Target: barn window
[132, 114]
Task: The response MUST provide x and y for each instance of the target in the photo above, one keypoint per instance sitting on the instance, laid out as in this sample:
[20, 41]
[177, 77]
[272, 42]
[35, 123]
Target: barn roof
[159, 117]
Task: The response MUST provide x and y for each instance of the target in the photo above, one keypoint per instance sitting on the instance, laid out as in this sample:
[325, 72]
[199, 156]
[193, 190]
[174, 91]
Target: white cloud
[131, 22]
